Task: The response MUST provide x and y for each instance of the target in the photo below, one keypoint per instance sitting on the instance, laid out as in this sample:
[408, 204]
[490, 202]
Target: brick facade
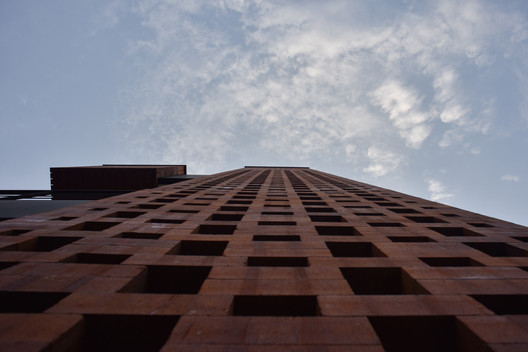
[263, 259]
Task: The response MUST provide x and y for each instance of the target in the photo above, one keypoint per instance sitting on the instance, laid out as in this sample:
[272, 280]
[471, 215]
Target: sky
[428, 98]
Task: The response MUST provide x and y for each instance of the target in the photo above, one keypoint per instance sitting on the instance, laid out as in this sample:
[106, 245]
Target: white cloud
[511, 178]
[382, 161]
[402, 105]
[297, 81]
[438, 191]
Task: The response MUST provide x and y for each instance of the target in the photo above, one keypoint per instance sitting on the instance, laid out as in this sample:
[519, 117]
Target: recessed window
[176, 195]
[369, 214]
[92, 226]
[197, 204]
[498, 249]
[163, 200]
[450, 261]
[125, 214]
[166, 221]
[381, 281]
[320, 210]
[388, 204]
[327, 218]
[28, 302]
[98, 209]
[148, 206]
[455, 231]
[410, 239]
[277, 205]
[277, 238]
[425, 333]
[277, 261]
[275, 199]
[314, 203]
[183, 211]
[97, 258]
[243, 197]
[226, 217]
[424, 219]
[13, 232]
[451, 215]
[215, 229]
[64, 218]
[277, 213]
[521, 238]
[140, 235]
[5, 265]
[45, 243]
[233, 208]
[275, 305]
[239, 202]
[404, 211]
[337, 231]
[481, 224]
[277, 223]
[504, 304]
[354, 249]
[125, 332]
[183, 279]
[385, 224]
[209, 248]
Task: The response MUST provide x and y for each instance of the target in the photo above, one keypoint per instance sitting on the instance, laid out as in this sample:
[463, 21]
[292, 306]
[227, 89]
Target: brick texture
[263, 259]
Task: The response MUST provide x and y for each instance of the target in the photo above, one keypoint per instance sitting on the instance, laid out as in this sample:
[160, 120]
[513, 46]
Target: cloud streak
[438, 191]
[511, 178]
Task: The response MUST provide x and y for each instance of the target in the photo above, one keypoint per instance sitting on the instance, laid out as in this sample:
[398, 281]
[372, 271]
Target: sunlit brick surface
[263, 259]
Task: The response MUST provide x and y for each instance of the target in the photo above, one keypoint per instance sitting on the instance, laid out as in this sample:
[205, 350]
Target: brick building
[263, 259]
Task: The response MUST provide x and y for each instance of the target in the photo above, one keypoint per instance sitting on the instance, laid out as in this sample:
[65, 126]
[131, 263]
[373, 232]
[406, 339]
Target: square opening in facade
[125, 332]
[207, 248]
[381, 281]
[450, 261]
[498, 249]
[172, 279]
[354, 249]
[425, 333]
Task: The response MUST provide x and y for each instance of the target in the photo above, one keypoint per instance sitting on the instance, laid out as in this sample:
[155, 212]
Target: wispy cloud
[313, 80]
[403, 106]
[438, 191]
[381, 161]
[510, 178]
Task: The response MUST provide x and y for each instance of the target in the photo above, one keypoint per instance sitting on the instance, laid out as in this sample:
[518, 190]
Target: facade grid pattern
[263, 259]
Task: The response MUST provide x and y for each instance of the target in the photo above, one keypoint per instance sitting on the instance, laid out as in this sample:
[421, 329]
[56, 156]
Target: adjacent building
[262, 259]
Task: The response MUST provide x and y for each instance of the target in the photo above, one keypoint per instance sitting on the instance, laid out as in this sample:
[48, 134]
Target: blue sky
[428, 98]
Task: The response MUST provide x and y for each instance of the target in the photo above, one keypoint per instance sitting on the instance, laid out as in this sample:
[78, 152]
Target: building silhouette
[261, 259]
